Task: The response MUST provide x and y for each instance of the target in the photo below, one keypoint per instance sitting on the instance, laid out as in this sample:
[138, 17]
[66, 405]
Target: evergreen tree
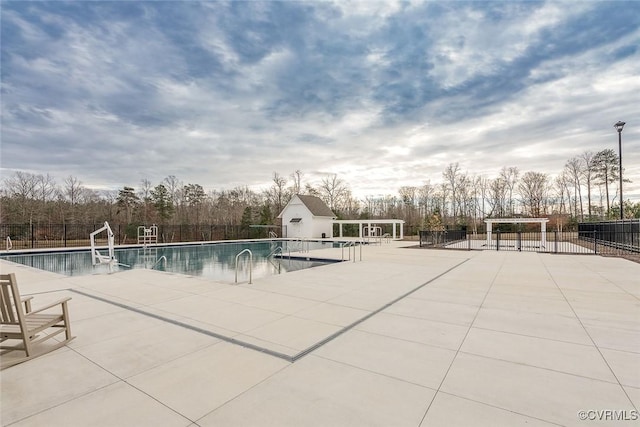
[162, 201]
[606, 170]
[128, 200]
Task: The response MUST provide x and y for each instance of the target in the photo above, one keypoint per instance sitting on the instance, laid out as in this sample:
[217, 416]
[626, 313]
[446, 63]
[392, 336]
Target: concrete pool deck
[405, 337]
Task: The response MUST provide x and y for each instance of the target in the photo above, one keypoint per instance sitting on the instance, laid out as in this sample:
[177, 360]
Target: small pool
[214, 260]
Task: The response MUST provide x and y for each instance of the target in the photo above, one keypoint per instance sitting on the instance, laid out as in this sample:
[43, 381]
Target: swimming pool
[214, 260]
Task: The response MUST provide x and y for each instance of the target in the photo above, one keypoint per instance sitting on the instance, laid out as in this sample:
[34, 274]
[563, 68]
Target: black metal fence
[614, 234]
[602, 242]
[32, 236]
[441, 238]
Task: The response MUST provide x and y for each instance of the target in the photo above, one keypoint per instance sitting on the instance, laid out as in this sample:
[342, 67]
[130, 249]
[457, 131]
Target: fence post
[33, 240]
[64, 234]
[498, 240]
[595, 242]
[469, 241]
[555, 237]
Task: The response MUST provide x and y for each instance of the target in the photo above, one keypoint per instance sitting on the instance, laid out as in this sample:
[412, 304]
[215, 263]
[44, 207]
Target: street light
[619, 127]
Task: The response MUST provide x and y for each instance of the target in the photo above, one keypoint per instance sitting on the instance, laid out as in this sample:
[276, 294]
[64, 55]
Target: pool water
[216, 260]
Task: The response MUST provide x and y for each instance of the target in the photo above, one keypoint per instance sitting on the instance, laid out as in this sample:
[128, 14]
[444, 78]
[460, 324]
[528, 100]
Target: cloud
[384, 94]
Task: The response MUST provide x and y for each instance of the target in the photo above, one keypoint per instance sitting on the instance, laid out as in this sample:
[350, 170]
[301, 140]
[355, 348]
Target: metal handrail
[273, 235]
[278, 266]
[9, 244]
[158, 262]
[301, 241]
[250, 263]
[348, 245]
[273, 252]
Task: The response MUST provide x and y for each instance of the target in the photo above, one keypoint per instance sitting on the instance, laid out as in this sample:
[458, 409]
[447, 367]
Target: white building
[307, 216]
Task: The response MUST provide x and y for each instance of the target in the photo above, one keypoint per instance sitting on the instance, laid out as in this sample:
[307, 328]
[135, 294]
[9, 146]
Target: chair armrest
[27, 303]
[53, 304]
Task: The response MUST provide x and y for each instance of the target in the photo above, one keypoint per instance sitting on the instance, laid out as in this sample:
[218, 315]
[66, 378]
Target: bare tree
[22, 188]
[497, 197]
[483, 189]
[408, 195]
[145, 196]
[174, 186]
[451, 177]
[425, 199]
[510, 177]
[277, 195]
[575, 169]
[45, 192]
[442, 198]
[311, 191]
[561, 188]
[296, 176]
[588, 171]
[332, 190]
[477, 200]
[465, 199]
[350, 206]
[72, 192]
[533, 190]
[373, 207]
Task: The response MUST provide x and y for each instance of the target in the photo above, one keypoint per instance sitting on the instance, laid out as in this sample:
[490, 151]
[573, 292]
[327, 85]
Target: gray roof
[316, 206]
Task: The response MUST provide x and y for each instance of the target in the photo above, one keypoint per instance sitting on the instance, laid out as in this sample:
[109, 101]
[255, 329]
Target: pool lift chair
[96, 256]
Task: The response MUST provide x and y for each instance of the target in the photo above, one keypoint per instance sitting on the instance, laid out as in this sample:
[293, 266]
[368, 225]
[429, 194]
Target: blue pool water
[216, 260]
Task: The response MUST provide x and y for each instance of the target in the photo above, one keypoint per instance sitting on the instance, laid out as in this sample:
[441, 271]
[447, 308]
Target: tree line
[586, 189]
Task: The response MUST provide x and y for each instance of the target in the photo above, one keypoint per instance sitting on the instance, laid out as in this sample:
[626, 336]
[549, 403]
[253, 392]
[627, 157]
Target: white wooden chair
[30, 327]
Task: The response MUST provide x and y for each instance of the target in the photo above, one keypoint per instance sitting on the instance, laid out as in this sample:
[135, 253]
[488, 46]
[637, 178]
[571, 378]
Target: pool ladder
[162, 258]
[308, 244]
[276, 250]
[250, 263]
[348, 245]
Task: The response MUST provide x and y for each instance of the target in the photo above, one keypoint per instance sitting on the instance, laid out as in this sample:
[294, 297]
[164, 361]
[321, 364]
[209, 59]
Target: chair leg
[65, 317]
[27, 345]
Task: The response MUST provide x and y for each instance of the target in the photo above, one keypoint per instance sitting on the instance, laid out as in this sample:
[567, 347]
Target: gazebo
[541, 221]
[370, 223]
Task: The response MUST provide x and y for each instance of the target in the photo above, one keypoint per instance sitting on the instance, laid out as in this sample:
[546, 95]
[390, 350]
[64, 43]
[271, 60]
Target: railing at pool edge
[158, 262]
[275, 251]
[301, 244]
[348, 245]
[250, 263]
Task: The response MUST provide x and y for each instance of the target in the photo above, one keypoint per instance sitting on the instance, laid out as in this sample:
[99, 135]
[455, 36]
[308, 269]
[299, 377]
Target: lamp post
[619, 127]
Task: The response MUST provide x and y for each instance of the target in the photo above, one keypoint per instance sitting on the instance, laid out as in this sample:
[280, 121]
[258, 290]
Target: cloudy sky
[383, 94]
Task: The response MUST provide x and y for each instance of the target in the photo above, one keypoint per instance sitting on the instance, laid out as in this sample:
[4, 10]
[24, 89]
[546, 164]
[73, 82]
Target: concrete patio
[405, 337]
